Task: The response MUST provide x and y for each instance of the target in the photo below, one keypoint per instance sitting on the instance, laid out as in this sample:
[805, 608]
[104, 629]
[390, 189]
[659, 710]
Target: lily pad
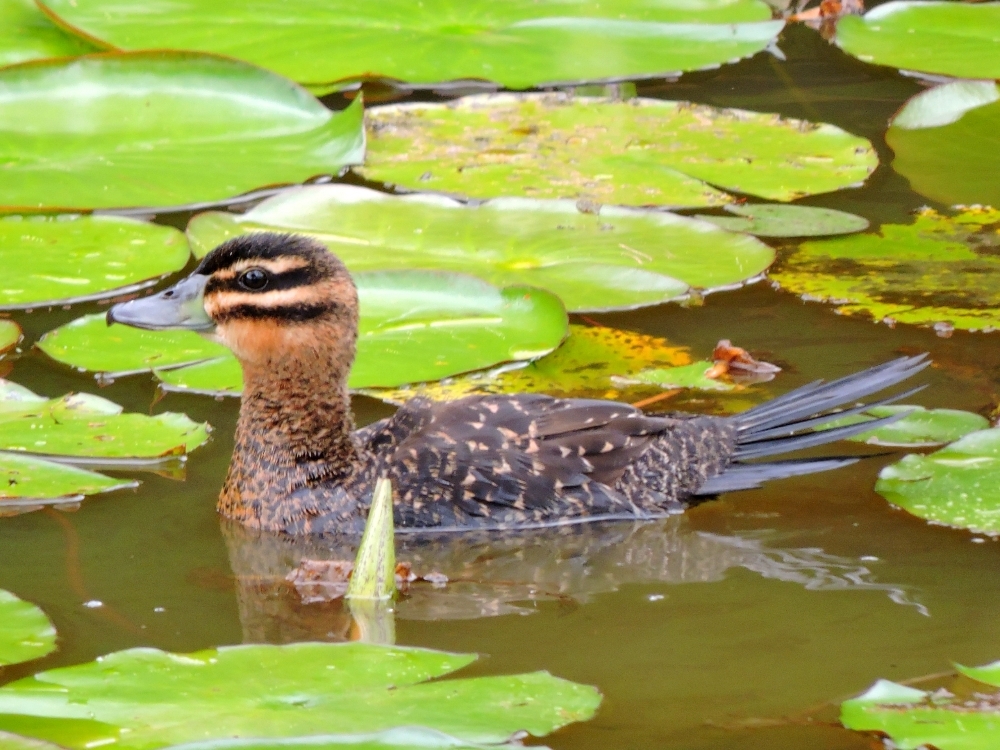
[921, 428]
[61, 259]
[82, 426]
[958, 485]
[146, 125]
[940, 38]
[946, 144]
[637, 152]
[25, 632]
[619, 259]
[688, 376]
[777, 220]
[915, 719]
[27, 478]
[26, 34]
[10, 741]
[401, 738]
[415, 325]
[158, 699]
[942, 269]
[10, 334]
[516, 44]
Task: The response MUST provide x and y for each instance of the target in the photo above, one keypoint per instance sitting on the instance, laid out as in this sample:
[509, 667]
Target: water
[741, 624]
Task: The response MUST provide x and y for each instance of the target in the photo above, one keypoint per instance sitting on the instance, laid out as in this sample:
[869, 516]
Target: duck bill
[181, 307]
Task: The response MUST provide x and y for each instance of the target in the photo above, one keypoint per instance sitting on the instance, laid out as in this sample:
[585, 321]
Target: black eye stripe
[291, 313]
[297, 277]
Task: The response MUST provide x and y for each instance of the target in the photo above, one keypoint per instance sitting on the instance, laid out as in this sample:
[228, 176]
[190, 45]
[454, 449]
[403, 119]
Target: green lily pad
[637, 152]
[688, 376]
[915, 719]
[84, 426]
[958, 485]
[619, 259]
[945, 142]
[26, 34]
[25, 632]
[415, 326]
[940, 38]
[35, 481]
[159, 699]
[921, 428]
[145, 125]
[942, 269]
[10, 741]
[10, 334]
[62, 259]
[400, 738]
[777, 220]
[516, 44]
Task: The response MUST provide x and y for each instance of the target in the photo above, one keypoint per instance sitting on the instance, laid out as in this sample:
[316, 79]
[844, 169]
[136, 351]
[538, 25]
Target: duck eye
[255, 279]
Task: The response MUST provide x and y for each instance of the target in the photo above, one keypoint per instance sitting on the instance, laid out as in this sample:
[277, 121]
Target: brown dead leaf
[327, 580]
[737, 361]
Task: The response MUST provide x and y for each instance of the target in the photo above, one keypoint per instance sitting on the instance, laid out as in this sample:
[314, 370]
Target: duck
[287, 308]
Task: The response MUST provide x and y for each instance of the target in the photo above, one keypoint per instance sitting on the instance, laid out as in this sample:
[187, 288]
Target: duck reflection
[491, 574]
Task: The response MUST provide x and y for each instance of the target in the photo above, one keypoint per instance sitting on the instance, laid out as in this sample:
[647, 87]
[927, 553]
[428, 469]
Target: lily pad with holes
[777, 220]
[35, 481]
[146, 125]
[26, 34]
[516, 44]
[942, 269]
[415, 326]
[10, 334]
[619, 259]
[958, 485]
[920, 428]
[945, 141]
[61, 259]
[961, 720]
[25, 632]
[939, 38]
[636, 152]
[82, 426]
[158, 699]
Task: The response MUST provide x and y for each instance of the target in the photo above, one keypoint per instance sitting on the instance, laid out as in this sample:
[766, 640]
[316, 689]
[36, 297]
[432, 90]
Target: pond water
[741, 624]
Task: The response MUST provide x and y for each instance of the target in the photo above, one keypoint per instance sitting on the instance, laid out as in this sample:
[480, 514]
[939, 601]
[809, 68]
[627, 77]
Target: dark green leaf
[777, 220]
[25, 632]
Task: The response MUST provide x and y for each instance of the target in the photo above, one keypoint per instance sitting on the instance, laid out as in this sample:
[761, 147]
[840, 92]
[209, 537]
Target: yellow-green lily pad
[62, 259]
[941, 270]
[36, 481]
[10, 334]
[160, 129]
[615, 259]
[26, 34]
[920, 428]
[779, 220]
[637, 152]
[157, 699]
[687, 376]
[25, 632]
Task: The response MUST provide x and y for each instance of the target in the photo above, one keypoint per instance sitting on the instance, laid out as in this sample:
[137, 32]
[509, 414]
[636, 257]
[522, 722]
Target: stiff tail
[788, 423]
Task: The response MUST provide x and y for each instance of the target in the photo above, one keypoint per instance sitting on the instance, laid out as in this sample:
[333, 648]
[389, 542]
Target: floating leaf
[10, 741]
[777, 220]
[622, 258]
[921, 428]
[158, 698]
[940, 38]
[518, 45]
[25, 632]
[583, 366]
[958, 485]
[945, 141]
[415, 326]
[943, 268]
[400, 738]
[84, 426]
[10, 334]
[161, 128]
[636, 152]
[26, 34]
[688, 376]
[60, 259]
[915, 719]
[26, 478]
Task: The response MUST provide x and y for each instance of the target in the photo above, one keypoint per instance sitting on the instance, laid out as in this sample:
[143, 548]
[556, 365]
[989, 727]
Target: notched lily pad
[26, 34]
[62, 259]
[615, 259]
[958, 485]
[517, 45]
[944, 140]
[25, 632]
[159, 699]
[941, 270]
[920, 428]
[638, 152]
[777, 220]
[415, 326]
[10, 334]
[145, 126]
